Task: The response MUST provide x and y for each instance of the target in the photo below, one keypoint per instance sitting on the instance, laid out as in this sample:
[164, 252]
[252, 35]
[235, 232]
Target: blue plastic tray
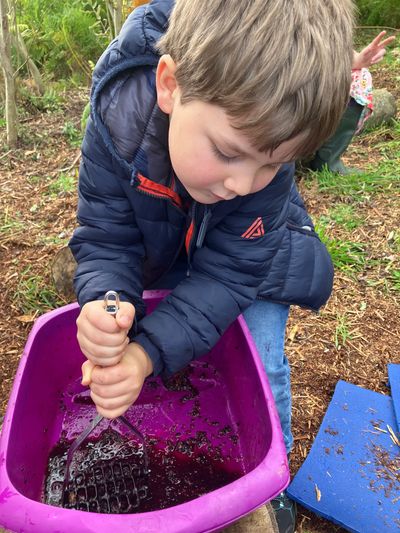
[352, 473]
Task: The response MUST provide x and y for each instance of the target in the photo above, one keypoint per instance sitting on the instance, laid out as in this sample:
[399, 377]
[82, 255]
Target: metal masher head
[106, 488]
[112, 485]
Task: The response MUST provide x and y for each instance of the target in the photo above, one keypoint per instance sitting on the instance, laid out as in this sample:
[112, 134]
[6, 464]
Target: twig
[74, 162]
[384, 329]
[380, 429]
[6, 154]
[355, 347]
[393, 435]
[377, 27]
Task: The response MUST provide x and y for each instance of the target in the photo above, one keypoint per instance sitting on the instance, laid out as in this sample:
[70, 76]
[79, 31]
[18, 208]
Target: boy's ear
[166, 83]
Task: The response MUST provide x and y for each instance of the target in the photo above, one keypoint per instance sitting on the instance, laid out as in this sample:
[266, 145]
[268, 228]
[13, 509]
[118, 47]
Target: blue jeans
[267, 324]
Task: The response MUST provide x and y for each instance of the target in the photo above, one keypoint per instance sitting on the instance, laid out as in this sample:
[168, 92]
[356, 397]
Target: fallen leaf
[26, 318]
[292, 332]
[317, 493]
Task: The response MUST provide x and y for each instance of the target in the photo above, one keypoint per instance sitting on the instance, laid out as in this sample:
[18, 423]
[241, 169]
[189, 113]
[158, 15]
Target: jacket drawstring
[203, 227]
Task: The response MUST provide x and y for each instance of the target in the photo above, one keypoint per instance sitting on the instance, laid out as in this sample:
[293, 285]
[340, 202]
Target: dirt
[47, 221]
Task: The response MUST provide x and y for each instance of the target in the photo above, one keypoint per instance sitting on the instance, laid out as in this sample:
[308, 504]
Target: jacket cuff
[152, 352]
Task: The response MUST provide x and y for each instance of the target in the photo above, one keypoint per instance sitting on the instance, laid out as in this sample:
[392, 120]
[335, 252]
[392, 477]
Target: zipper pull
[203, 227]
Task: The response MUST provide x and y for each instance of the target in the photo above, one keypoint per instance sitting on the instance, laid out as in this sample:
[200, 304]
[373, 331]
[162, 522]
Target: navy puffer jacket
[135, 217]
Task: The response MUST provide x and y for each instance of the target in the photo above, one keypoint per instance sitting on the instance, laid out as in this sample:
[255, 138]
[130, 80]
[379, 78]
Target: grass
[10, 224]
[359, 187]
[346, 255]
[342, 331]
[394, 279]
[34, 295]
[382, 177]
[343, 215]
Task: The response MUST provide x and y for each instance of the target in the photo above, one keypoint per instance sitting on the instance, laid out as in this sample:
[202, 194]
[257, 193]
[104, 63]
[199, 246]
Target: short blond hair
[279, 68]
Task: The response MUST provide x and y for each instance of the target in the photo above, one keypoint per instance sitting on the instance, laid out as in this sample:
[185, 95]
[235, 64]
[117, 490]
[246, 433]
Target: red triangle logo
[255, 230]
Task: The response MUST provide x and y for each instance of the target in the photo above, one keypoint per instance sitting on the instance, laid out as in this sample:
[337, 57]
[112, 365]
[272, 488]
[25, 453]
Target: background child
[186, 182]
[358, 110]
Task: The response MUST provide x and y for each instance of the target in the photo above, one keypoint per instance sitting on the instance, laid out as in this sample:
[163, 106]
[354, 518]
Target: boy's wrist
[143, 356]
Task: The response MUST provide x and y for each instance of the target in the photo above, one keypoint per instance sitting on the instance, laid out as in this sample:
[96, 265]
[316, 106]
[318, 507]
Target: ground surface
[353, 338]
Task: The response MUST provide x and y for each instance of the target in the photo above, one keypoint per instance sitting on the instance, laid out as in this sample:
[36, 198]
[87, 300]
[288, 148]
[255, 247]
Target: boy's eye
[223, 157]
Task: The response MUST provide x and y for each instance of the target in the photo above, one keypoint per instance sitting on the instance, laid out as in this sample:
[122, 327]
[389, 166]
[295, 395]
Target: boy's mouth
[222, 198]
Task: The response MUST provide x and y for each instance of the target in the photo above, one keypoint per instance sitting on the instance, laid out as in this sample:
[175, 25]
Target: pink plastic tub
[238, 395]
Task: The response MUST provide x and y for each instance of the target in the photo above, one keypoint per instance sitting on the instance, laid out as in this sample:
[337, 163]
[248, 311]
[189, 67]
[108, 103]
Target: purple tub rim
[17, 511]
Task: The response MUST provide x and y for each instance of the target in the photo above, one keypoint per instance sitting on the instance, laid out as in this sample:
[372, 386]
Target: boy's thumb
[87, 369]
[125, 315]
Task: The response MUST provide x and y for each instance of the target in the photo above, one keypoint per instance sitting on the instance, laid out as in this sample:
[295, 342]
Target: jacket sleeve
[301, 272]
[107, 244]
[226, 276]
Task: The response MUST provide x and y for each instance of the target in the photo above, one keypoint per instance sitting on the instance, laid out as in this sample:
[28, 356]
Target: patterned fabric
[361, 91]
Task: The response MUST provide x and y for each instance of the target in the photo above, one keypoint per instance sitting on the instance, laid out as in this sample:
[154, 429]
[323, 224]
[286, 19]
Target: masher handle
[111, 302]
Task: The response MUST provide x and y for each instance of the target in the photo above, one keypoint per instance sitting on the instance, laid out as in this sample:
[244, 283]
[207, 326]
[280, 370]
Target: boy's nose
[240, 184]
[247, 183]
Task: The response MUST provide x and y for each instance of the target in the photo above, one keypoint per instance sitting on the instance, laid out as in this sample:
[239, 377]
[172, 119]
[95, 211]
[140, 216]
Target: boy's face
[212, 160]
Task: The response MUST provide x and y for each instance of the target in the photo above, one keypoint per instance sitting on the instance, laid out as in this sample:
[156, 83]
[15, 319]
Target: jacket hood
[123, 98]
[143, 28]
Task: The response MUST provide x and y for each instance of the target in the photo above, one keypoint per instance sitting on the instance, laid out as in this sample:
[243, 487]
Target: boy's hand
[102, 337]
[115, 388]
[373, 53]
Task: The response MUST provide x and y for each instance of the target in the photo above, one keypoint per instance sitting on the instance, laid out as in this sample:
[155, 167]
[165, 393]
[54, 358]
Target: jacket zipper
[146, 193]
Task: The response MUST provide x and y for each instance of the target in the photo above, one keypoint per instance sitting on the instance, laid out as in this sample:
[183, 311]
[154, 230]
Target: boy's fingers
[87, 369]
[125, 316]
[111, 403]
[97, 316]
[100, 354]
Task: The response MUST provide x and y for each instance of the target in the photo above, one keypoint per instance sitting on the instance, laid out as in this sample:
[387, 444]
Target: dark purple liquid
[107, 474]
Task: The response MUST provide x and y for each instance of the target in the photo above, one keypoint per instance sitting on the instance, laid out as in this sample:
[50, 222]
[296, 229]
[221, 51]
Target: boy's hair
[278, 68]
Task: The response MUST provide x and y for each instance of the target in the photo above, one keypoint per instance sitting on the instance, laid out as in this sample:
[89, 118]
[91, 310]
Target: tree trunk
[34, 71]
[8, 71]
[118, 17]
[114, 10]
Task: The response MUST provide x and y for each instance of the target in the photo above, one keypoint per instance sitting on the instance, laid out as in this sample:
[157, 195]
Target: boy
[186, 167]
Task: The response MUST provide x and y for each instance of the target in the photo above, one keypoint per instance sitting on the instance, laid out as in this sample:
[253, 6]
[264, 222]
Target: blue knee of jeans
[267, 324]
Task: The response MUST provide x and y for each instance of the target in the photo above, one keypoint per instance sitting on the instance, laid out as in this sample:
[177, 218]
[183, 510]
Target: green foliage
[85, 117]
[64, 184]
[379, 12]
[49, 102]
[72, 134]
[63, 37]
